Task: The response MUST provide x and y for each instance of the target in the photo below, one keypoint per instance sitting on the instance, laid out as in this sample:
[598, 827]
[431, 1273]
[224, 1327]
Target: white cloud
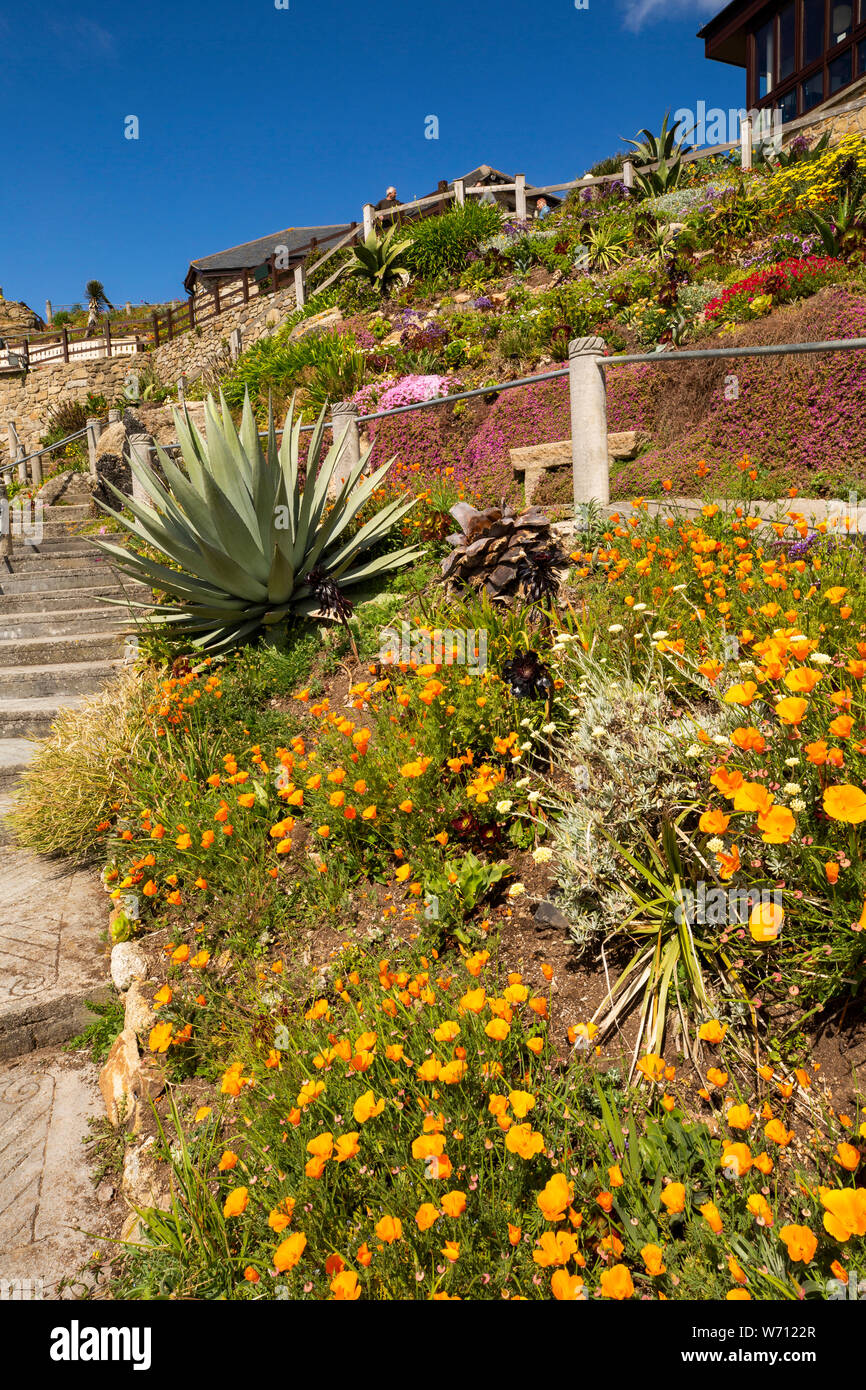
[637, 13]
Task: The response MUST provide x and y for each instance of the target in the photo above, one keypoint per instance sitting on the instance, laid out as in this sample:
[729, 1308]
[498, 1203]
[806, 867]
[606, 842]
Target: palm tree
[99, 304]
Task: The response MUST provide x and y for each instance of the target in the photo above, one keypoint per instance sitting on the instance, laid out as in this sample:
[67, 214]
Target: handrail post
[154, 324]
[746, 143]
[300, 287]
[460, 191]
[92, 438]
[344, 421]
[16, 452]
[216, 298]
[520, 197]
[628, 173]
[246, 284]
[192, 311]
[5, 522]
[140, 447]
[368, 219]
[36, 470]
[169, 324]
[64, 339]
[108, 337]
[588, 398]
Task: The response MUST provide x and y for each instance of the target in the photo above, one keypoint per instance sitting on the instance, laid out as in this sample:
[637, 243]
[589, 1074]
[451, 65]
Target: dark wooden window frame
[803, 74]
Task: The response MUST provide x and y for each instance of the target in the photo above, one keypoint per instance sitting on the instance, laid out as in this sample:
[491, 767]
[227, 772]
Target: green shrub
[441, 244]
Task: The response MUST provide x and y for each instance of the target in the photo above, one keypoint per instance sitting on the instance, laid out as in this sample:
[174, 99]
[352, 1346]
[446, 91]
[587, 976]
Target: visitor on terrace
[542, 208]
[387, 203]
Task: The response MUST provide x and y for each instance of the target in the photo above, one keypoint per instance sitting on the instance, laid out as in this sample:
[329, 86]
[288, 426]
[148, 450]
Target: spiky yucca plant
[380, 260]
[247, 545]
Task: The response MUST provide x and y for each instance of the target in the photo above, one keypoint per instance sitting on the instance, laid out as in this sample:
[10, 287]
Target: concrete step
[55, 679]
[15, 755]
[54, 622]
[50, 578]
[46, 600]
[20, 718]
[26, 652]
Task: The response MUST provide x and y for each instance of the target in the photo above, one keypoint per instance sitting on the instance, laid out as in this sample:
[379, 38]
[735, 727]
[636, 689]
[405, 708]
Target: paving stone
[50, 1217]
[51, 958]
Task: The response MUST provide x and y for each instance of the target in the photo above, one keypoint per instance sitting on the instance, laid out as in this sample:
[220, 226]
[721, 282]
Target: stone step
[21, 718]
[67, 514]
[54, 561]
[36, 600]
[55, 679]
[54, 622]
[50, 578]
[24, 653]
[54, 547]
[15, 755]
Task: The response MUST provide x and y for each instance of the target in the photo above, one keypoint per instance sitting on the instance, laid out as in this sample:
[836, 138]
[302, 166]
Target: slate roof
[252, 254]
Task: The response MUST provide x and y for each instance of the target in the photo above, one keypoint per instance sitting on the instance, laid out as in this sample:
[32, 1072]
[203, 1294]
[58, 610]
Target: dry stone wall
[27, 398]
[193, 352]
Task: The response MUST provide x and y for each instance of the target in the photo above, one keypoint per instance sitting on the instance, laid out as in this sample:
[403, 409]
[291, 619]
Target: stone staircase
[58, 641]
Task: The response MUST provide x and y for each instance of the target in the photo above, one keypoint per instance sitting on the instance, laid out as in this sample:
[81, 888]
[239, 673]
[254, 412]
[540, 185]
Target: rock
[67, 487]
[128, 963]
[548, 915]
[139, 1016]
[462, 298]
[120, 1080]
[105, 1192]
[393, 339]
[624, 445]
[111, 441]
[317, 323]
[145, 1182]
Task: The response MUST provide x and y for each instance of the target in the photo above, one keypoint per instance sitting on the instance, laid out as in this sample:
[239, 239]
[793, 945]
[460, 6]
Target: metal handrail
[49, 449]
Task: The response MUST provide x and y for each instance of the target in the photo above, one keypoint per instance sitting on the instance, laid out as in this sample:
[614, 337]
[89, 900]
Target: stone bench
[537, 459]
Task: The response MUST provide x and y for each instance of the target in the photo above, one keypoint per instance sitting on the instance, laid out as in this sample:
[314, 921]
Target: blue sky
[253, 118]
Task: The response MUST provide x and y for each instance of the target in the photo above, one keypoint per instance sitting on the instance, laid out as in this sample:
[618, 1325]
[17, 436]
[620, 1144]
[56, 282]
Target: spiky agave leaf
[246, 545]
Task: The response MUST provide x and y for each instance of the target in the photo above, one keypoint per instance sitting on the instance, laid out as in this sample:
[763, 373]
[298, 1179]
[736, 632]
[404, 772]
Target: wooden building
[798, 54]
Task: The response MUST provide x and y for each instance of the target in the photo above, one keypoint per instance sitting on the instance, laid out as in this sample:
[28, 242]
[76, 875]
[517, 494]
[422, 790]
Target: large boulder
[17, 318]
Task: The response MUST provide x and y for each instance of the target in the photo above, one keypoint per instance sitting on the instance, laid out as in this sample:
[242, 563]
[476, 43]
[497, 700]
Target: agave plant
[246, 544]
[842, 228]
[380, 260]
[663, 150]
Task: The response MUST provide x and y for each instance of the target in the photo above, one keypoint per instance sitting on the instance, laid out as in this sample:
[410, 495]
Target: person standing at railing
[387, 204]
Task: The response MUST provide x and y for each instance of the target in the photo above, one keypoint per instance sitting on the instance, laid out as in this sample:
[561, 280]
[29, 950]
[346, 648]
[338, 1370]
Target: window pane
[861, 56]
[764, 58]
[841, 20]
[813, 91]
[813, 30]
[786, 41]
[840, 71]
[788, 106]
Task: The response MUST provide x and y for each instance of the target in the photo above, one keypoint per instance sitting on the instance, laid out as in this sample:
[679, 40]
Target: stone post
[588, 421]
[628, 173]
[36, 470]
[746, 143]
[368, 219]
[140, 450]
[344, 419]
[49, 313]
[520, 196]
[92, 439]
[300, 287]
[459, 192]
[16, 452]
[236, 343]
[115, 416]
